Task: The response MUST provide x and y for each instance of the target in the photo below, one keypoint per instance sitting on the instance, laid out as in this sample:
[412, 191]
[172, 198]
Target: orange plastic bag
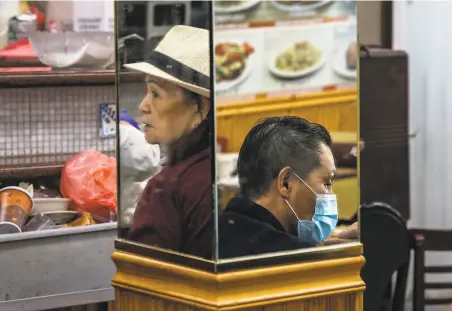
[89, 180]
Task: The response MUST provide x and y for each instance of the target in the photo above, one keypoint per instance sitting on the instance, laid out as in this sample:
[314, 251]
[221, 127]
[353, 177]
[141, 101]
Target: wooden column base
[145, 284]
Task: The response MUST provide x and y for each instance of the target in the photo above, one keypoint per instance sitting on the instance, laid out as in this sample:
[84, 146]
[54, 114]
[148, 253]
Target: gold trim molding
[140, 277]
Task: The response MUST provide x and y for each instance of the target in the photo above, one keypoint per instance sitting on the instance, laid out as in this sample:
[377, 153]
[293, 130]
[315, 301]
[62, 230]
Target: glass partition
[165, 125]
[287, 125]
[266, 164]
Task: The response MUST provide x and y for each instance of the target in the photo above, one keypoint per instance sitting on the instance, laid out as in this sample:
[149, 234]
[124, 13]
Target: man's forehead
[327, 158]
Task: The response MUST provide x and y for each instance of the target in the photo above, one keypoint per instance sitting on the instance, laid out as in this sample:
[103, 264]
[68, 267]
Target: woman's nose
[144, 106]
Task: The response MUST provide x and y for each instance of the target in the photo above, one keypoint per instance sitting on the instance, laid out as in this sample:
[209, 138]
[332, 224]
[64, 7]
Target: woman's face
[165, 113]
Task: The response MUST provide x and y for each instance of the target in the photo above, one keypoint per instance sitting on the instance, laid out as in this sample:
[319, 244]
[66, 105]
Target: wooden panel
[145, 284]
[131, 301]
[347, 192]
[336, 113]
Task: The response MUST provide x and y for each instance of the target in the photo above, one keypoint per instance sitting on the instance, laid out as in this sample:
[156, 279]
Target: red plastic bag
[89, 180]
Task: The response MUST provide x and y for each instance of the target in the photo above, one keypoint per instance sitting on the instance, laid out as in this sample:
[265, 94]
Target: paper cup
[15, 206]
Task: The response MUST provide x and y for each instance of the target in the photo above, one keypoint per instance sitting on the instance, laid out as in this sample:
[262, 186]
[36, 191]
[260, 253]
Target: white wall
[424, 30]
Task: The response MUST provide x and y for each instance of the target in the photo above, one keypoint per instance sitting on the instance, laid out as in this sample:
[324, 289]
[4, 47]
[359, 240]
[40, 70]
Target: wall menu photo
[276, 48]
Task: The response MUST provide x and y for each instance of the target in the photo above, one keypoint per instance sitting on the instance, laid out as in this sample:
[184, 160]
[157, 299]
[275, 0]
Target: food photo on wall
[298, 56]
[280, 10]
[238, 58]
[346, 51]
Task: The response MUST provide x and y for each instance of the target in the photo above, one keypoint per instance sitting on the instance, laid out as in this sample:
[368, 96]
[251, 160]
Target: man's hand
[347, 235]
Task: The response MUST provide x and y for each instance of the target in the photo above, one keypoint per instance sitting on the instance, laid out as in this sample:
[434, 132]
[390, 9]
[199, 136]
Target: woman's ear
[283, 182]
[205, 107]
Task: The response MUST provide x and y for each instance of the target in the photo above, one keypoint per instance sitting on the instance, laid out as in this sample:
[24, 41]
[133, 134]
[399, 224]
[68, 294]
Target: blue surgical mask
[323, 222]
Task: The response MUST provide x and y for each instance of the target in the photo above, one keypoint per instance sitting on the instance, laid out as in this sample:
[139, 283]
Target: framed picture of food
[299, 59]
[346, 51]
[345, 60]
[279, 47]
[233, 63]
[237, 58]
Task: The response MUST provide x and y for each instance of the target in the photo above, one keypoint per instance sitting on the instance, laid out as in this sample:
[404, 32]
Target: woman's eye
[155, 94]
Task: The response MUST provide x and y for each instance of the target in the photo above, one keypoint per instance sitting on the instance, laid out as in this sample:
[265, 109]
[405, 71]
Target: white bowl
[62, 217]
[74, 49]
[46, 205]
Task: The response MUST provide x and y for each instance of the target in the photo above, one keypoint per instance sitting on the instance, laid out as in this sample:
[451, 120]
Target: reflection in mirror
[286, 121]
[165, 125]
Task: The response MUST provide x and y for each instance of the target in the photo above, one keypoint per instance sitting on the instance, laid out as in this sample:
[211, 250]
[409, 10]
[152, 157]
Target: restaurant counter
[57, 268]
[62, 267]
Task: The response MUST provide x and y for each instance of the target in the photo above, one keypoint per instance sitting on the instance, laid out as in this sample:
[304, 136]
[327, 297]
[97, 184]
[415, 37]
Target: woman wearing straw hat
[175, 210]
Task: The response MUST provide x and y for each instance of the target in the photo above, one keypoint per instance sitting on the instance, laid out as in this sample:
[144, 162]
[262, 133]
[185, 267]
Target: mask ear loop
[287, 202]
[304, 183]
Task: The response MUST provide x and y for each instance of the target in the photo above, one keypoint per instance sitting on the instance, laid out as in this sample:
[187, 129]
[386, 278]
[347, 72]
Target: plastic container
[39, 222]
[74, 49]
[45, 205]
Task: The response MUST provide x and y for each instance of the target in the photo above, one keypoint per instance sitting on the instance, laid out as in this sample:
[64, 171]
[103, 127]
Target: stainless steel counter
[56, 268]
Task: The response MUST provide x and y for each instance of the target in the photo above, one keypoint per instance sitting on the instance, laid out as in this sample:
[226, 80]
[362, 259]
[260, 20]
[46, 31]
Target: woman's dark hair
[198, 139]
[192, 98]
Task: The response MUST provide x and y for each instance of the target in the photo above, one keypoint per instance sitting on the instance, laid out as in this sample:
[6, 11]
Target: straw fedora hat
[182, 57]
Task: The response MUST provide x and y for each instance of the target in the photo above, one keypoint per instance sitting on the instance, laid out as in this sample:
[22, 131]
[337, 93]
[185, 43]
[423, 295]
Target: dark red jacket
[176, 207]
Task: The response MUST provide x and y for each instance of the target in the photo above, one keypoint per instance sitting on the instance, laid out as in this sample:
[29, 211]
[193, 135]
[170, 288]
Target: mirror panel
[165, 125]
[291, 66]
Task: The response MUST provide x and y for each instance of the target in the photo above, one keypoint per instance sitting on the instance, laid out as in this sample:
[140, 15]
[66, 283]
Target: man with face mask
[286, 171]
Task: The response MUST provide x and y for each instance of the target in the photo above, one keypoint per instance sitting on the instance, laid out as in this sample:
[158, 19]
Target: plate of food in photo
[345, 61]
[299, 6]
[227, 6]
[232, 63]
[297, 60]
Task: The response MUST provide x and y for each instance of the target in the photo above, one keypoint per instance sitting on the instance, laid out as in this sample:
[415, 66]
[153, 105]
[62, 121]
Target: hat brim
[154, 71]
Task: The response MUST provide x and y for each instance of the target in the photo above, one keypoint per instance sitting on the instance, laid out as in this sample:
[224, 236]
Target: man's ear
[283, 182]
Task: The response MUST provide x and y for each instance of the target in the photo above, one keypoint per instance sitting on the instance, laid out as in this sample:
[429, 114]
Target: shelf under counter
[57, 268]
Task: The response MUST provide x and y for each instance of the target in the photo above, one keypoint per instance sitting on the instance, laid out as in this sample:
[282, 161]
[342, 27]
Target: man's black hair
[274, 143]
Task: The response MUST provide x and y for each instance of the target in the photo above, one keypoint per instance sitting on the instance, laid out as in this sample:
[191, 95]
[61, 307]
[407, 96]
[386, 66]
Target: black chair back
[386, 243]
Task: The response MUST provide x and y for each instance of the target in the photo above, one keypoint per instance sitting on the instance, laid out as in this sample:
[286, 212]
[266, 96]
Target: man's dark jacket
[246, 228]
